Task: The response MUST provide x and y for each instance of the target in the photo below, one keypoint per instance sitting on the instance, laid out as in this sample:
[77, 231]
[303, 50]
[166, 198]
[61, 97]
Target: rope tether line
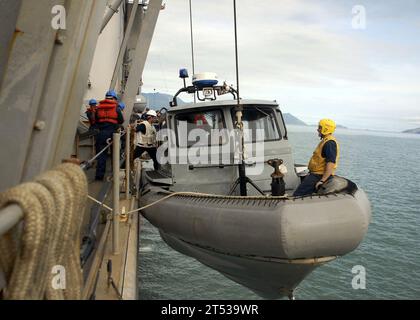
[205, 195]
[193, 194]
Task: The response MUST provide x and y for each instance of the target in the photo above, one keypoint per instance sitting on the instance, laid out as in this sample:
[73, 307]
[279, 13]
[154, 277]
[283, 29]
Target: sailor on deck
[91, 112]
[324, 160]
[108, 120]
[146, 138]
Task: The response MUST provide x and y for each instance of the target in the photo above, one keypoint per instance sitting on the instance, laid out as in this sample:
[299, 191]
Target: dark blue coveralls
[106, 130]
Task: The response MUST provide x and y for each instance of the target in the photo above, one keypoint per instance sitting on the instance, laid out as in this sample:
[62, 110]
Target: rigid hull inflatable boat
[267, 243]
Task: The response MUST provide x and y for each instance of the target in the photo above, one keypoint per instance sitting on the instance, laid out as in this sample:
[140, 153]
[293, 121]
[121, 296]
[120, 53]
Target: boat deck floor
[98, 284]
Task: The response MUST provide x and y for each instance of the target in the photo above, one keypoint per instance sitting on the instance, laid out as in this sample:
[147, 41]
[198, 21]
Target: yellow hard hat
[327, 126]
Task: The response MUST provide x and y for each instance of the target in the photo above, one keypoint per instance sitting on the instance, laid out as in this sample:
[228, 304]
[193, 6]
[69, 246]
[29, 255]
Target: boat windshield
[200, 128]
[260, 124]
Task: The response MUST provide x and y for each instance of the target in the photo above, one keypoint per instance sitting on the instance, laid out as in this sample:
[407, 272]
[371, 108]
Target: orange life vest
[107, 111]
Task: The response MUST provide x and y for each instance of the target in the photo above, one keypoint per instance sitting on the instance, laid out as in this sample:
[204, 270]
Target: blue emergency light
[183, 73]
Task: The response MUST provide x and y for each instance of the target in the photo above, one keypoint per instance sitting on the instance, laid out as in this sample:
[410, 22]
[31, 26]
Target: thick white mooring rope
[49, 237]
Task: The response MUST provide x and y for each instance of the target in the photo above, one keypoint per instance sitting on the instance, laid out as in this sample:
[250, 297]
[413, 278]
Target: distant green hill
[291, 119]
[417, 131]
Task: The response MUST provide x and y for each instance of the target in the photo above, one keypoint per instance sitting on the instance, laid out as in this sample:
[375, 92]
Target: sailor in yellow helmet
[324, 160]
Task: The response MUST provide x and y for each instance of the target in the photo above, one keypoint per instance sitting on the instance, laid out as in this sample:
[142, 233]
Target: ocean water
[387, 167]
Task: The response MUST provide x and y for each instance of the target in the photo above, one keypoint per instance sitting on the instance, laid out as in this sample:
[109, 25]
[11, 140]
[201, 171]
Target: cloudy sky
[316, 58]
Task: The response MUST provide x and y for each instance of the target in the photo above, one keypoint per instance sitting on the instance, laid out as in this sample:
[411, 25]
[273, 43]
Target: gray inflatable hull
[269, 278]
[267, 245]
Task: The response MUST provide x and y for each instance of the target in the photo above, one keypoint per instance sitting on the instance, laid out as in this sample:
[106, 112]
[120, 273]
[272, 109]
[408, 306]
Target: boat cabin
[197, 145]
[201, 146]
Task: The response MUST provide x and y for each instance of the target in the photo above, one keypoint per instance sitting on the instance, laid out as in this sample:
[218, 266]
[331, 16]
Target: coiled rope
[49, 236]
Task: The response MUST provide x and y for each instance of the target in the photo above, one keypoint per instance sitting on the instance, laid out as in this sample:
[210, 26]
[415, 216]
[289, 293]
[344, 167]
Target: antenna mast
[192, 44]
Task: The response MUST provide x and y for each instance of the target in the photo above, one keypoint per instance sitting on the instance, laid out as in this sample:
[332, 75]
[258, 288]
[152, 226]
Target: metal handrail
[86, 164]
[9, 217]
[127, 164]
[12, 214]
[116, 193]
